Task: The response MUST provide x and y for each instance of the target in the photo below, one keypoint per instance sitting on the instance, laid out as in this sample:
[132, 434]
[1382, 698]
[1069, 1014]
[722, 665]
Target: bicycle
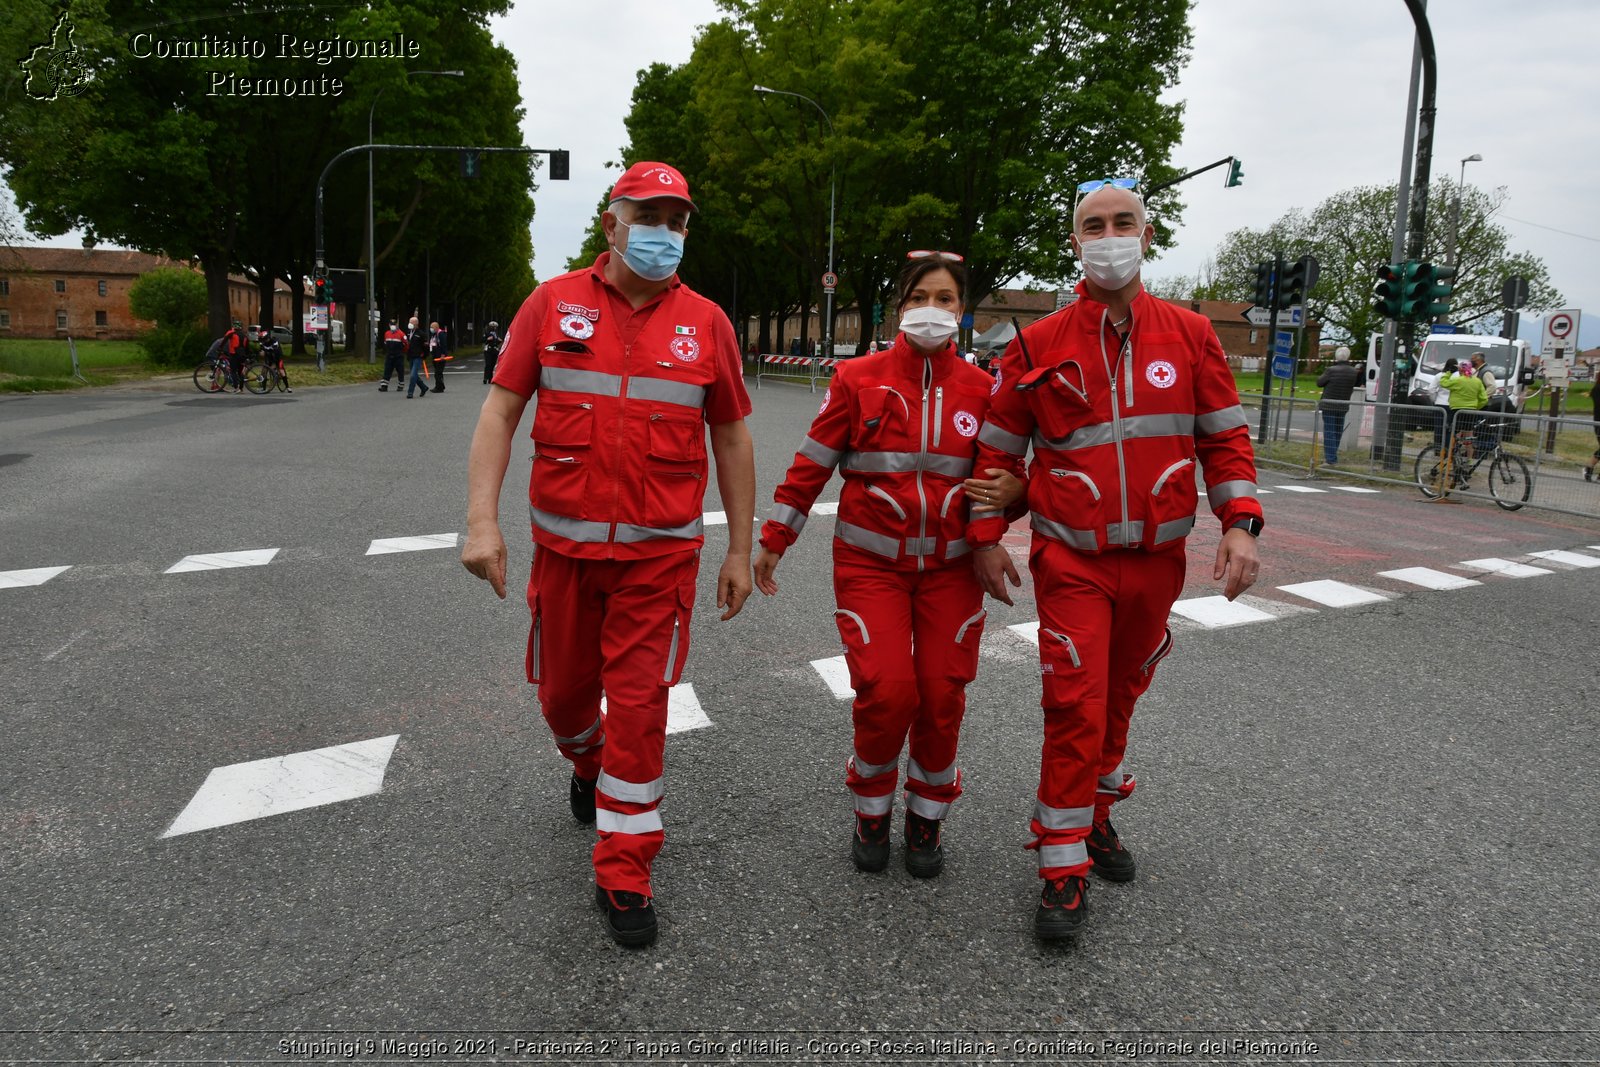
[213, 375]
[261, 378]
[1510, 484]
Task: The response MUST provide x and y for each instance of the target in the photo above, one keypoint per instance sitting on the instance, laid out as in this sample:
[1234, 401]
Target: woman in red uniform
[901, 426]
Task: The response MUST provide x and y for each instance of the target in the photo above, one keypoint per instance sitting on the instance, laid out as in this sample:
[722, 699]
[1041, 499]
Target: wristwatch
[1250, 524]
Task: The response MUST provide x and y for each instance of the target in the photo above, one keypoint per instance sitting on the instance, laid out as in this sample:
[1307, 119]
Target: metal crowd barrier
[801, 368]
[1386, 443]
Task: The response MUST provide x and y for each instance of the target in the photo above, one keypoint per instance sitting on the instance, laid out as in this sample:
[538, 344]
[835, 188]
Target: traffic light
[470, 167]
[1438, 285]
[320, 289]
[1395, 291]
[1265, 290]
[560, 165]
[1235, 174]
[1298, 278]
[1414, 285]
[877, 314]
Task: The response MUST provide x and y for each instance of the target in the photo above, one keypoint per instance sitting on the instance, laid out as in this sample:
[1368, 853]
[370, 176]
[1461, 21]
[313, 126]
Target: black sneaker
[1063, 909]
[1588, 474]
[869, 845]
[630, 917]
[924, 853]
[1111, 861]
[581, 796]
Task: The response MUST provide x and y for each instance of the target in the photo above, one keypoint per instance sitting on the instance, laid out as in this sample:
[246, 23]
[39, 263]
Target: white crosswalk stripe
[32, 576]
[1333, 594]
[1355, 489]
[1215, 612]
[214, 561]
[1300, 489]
[834, 672]
[1428, 578]
[386, 545]
[1571, 559]
[1028, 631]
[684, 712]
[1503, 567]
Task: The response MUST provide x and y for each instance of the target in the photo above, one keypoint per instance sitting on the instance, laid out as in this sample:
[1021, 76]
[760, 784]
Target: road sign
[1293, 316]
[1283, 344]
[1443, 327]
[1282, 366]
[830, 280]
[966, 321]
[319, 317]
[1560, 330]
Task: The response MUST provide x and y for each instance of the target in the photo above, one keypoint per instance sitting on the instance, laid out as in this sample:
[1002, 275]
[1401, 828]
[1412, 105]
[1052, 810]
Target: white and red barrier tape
[787, 360]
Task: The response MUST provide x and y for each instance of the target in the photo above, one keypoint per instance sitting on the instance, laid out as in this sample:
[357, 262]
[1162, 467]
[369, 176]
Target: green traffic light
[1235, 174]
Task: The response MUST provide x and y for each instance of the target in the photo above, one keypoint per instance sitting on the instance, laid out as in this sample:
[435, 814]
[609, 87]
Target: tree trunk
[214, 262]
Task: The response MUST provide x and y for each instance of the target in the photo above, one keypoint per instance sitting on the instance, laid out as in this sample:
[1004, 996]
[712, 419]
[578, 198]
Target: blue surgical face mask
[653, 252]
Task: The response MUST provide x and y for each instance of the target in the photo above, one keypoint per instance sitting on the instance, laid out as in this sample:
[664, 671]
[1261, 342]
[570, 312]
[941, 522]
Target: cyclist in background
[1467, 397]
[272, 356]
[236, 349]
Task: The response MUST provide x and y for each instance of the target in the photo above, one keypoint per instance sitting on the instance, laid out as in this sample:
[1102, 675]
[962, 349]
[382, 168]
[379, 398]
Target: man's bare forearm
[487, 463]
[736, 482]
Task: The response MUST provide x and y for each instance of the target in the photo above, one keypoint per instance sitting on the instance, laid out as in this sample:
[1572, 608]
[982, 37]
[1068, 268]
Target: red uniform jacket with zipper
[902, 429]
[1116, 429]
[619, 462]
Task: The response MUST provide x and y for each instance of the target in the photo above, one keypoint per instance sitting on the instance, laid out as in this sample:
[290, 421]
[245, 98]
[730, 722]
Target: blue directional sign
[1443, 327]
[1282, 366]
[1284, 344]
[966, 321]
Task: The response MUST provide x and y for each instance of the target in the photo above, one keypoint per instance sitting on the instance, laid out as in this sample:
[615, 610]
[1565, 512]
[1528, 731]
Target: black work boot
[869, 845]
[924, 853]
[630, 917]
[581, 795]
[1111, 861]
[1063, 909]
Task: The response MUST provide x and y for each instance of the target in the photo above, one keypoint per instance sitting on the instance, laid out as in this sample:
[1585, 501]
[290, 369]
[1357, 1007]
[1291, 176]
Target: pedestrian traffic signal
[1438, 283]
[1235, 174]
[469, 164]
[1265, 290]
[1297, 280]
[877, 314]
[560, 165]
[320, 289]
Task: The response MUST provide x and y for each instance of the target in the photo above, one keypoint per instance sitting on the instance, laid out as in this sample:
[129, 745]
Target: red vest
[619, 467]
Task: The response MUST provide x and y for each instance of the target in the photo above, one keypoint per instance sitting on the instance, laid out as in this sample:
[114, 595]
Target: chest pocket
[563, 439]
[1060, 400]
[675, 467]
[885, 416]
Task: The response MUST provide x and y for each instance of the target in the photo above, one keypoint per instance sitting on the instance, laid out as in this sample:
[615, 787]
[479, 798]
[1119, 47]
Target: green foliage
[1351, 232]
[963, 126]
[169, 296]
[174, 345]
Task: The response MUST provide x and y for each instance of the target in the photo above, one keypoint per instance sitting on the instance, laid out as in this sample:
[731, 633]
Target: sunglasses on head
[1085, 188]
[927, 253]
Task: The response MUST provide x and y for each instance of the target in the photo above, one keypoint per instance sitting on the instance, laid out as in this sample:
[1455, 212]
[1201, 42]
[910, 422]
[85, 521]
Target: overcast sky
[1309, 95]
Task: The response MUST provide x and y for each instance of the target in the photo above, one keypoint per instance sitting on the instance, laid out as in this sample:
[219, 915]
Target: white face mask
[930, 326]
[1112, 262]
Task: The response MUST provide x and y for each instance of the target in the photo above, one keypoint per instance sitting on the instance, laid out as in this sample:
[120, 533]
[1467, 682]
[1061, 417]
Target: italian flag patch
[683, 331]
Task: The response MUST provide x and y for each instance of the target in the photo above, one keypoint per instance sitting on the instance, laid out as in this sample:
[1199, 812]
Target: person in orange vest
[394, 357]
[1120, 394]
[901, 427]
[631, 367]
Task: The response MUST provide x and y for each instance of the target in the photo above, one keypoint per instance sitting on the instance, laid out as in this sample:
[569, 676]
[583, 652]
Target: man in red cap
[631, 366]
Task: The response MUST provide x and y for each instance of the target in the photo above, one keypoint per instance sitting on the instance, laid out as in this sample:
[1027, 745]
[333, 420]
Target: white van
[1508, 360]
[335, 330]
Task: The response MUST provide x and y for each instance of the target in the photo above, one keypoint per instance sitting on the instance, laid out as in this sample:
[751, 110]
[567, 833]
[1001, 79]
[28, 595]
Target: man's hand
[733, 584]
[1236, 558]
[766, 563]
[484, 554]
[993, 567]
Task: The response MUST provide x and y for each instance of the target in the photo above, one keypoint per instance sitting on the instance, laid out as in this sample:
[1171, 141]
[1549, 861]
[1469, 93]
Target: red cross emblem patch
[1161, 374]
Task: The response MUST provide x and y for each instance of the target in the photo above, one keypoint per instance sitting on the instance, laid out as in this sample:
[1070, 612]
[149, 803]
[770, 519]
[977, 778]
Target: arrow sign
[1293, 316]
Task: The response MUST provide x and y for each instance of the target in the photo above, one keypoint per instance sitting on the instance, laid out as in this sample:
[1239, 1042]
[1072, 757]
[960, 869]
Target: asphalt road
[1364, 832]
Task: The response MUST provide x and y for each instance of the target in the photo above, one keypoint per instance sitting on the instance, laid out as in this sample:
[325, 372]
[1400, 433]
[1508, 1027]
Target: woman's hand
[766, 563]
[995, 493]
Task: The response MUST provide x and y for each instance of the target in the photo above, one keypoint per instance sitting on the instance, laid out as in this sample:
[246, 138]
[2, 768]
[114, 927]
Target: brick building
[83, 292]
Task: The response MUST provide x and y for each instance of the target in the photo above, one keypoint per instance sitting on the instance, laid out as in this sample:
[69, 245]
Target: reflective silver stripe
[921, 546]
[1072, 649]
[917, 771]
[906, 462]
[1063, 818]
[1173, 530]
[958, 547]
[628, 533]
[955, 490]
[581, 749]
[567, 380]
[819, 453]
[1217, 421]
[1063, 855]
[645, 388]
[1223, 492]
[1113, 778]
[536, 660]
[1161, 482]
[1125, 533]
[876, 543]
[875, 805]
[873, 490]
[581, 737]
[614, 822]
[976, 619]
[928, 809]
[793, 518]
[1014, 443]
[1094, 490]
[860, 623]
[1161, 650]
[672, 651]
[599, 532]
[872, 770]
[954, 466]
[1083, 540]
[632, 792]
[1176, 424]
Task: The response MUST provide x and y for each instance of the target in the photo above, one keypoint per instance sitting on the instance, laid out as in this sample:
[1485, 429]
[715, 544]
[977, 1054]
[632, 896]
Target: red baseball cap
[646, 181]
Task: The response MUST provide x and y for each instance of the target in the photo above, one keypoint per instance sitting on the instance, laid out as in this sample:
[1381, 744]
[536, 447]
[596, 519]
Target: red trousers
[1102, 630]
[620, 627]
[911, 643]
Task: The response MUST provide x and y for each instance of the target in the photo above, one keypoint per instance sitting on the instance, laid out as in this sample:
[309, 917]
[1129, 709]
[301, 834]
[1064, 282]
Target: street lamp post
[1455, 217]
[372, 323]
[827, 295]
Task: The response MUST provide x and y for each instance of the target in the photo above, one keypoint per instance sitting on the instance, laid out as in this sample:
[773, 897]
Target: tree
[169, 296]
[1351, 232]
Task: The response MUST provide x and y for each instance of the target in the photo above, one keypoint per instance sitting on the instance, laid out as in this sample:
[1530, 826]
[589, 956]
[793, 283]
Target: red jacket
[625, 394]
[1116, 428]
[902, 429]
